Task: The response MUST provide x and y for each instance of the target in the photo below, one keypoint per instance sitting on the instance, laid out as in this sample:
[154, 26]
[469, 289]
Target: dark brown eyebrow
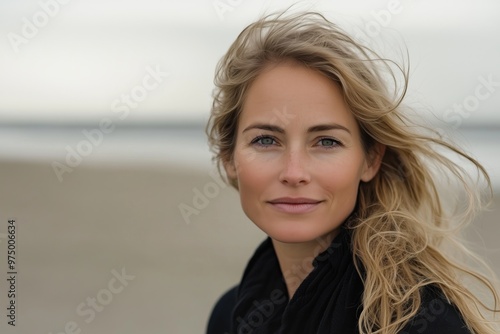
[326, 127]
[262, 126]
[314, 128]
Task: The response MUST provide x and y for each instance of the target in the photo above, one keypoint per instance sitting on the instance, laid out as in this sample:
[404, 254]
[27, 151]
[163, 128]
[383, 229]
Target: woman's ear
[373, 161]
[230, 169]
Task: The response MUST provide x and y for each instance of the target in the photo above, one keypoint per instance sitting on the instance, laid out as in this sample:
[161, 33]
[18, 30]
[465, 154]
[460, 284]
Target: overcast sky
[75, 61]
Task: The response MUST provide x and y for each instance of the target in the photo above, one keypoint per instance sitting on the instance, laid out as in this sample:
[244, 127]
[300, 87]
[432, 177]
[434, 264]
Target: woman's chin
[293, 234]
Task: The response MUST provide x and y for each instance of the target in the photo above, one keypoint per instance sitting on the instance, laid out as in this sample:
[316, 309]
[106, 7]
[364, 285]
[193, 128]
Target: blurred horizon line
[189, 124]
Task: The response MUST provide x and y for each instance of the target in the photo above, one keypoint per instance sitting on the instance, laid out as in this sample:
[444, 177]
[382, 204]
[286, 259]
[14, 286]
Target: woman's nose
[295, 170]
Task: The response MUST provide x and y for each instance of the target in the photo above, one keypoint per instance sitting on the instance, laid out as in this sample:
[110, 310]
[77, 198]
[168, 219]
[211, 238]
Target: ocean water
[168, 144]
[182, 144]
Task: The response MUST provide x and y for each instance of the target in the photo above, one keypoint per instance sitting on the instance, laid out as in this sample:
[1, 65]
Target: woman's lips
[295, 207]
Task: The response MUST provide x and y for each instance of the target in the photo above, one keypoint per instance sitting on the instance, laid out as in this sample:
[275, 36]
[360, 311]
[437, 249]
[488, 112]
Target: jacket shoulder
[220, 317]
[436, 316]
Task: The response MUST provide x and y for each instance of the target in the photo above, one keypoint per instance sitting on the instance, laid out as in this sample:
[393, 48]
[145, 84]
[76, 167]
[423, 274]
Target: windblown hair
[400, 225]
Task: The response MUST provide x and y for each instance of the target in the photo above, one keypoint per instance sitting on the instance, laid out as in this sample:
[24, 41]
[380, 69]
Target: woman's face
[298, 158]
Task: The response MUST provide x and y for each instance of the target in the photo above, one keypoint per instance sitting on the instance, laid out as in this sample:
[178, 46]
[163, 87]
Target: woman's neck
[296, 259]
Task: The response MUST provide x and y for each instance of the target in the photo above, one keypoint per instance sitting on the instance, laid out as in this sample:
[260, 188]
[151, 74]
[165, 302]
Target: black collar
[327, 301]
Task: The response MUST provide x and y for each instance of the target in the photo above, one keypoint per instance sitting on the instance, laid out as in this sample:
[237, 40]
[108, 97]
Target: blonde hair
[399, 224]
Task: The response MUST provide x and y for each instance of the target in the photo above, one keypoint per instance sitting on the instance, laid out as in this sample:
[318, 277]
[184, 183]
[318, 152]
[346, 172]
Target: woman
[344, 185]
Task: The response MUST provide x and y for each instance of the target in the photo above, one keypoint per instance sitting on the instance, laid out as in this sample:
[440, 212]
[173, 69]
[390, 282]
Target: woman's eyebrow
[263, 126]
[314, 128]
[326, 127]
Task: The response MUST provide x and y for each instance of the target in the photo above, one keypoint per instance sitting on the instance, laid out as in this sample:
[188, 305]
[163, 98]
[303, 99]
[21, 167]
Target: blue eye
[329, 142]
[263, 141]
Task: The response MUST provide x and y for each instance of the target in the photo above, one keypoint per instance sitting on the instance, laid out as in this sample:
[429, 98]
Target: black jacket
[328, 301]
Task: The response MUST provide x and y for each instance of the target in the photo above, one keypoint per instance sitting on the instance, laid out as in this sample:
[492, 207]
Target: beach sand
[75, 237]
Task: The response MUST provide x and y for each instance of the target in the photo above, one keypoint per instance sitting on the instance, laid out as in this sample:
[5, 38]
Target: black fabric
[220, 320]
[328, 301]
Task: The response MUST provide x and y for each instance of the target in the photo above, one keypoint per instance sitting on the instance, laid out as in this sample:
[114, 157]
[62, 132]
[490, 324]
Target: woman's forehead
[288, 93]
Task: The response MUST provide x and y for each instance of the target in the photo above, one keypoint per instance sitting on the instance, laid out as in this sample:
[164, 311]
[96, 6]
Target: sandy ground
[108, 251]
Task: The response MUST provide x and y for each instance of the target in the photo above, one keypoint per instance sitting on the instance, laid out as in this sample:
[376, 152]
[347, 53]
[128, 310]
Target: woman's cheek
[241, 161]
